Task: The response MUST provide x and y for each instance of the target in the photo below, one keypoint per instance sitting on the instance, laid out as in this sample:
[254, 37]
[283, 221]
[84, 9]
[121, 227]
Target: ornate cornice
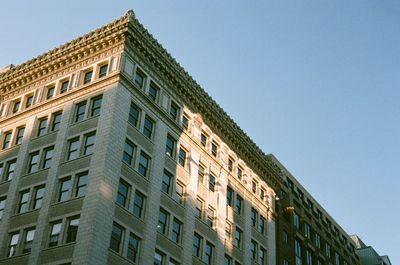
[187, 88]
[62, 57]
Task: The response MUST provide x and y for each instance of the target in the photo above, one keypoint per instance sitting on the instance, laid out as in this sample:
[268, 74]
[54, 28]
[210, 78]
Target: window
[254, 186]
[138, 204]
[81, 184]
[262, 194]
[140, 77]
[285, 262]
[179, 190]
[174, 110]
[200, 174]
[42, 127]
[88, 146]
[133, 247]
[6, 140]
[103, 70]
[285, 236]
[308, 257]
[297, 251]
[73, 146]
[176, 230]
[337, 259]
[16, 106]
[80, 111]
[237, 242]
[23, 205]
[2, 206]
[254, 217]
[296, 220]
[29, 235]
[20, 135]
[65, 189]
[87, 78]
[210, 217]
[230, 164]
[253, 250]
[203, 139]
[318, 240]
[227, 260]
[208, 253]
[307, 230]
[262, 224]
[228, 231]
[144, 162]
[129, 148]
[263, 254]
[55, 121]
[134, 114]
[320, 262]
[50, 92]
[10, 169]
[48, 157]
[163, 221]
[197, 240]
[33, 162]
[159, 258]
[122, 193]
[239, 173]
[116, 237]
[55, 234]
[29, 101]
[153, 91]
[64, 86]
[166, 182]
[95, 106]
[199, 209]
[328, 250]
[214, 149]
[12, 245]
[238, 204]
[170, 146]
[229, 196]
[72, 229]
[182, 157]
[211, 183]
[39, 194]
[148, 127]
[185, 122]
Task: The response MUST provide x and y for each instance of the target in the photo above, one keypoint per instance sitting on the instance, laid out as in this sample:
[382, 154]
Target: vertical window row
[87, 109]
[41, 159]
[77, 148]
[133, 200]
[132, 250]
[131, 152]
[135, 116]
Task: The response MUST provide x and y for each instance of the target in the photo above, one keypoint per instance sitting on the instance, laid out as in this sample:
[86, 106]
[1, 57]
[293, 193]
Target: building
[306, 233]
[368, 255]
[110, 153]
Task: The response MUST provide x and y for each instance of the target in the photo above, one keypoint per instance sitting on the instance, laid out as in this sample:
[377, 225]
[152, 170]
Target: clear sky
[315, 82]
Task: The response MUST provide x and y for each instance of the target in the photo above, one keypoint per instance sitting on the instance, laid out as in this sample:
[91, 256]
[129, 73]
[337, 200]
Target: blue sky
[314, 82]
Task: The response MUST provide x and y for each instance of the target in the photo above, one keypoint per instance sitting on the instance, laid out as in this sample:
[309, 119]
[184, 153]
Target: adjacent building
[368, 255]
[110, 153]
[306, 233]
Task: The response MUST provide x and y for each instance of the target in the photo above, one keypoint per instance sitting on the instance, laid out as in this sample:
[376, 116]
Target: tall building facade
[112, 154]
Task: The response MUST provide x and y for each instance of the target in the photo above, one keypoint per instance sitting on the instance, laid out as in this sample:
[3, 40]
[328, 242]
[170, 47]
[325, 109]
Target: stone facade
[112, 154]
